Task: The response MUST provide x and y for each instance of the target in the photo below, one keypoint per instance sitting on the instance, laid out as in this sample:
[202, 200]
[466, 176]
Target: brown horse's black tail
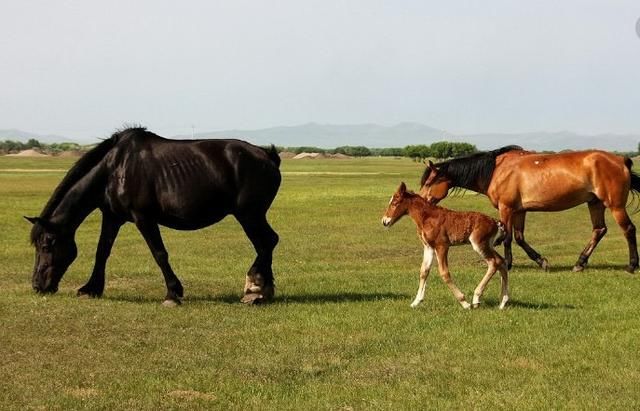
[502, 233]
[635, 183]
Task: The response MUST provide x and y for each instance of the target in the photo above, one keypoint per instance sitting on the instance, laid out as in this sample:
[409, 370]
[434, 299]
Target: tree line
[11, 146]
[441, 149]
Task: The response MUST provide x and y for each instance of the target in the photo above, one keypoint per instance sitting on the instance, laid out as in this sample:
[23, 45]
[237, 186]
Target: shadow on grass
[286, 298]
[528, 305]
[569, 268]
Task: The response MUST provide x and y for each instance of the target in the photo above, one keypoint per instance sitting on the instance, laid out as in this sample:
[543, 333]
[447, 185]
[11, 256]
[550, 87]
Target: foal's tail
[502, 233]
[635, 181]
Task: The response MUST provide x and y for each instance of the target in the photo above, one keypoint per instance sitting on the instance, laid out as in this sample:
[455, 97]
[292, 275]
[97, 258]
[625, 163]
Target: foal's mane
[77, 171]
[471, 171]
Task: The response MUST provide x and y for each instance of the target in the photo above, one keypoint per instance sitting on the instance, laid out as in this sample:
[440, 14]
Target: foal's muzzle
[386, 221]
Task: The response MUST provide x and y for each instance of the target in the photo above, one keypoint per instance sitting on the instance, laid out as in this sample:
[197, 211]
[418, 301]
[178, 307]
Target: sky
[84, 68]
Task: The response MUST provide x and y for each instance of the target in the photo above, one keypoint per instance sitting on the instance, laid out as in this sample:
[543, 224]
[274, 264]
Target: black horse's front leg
[108, 233]
[151, 234]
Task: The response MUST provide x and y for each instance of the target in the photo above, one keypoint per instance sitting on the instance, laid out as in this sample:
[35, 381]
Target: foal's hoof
[475, 306]
[171, 303]
[577, 268]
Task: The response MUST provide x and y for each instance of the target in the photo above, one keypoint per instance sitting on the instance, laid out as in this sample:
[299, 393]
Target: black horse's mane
[471, 171]
[77, 171]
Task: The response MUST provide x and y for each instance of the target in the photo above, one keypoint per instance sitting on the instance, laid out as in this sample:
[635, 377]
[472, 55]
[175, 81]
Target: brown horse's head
[55, 251]
[398, 206]
[435, 185]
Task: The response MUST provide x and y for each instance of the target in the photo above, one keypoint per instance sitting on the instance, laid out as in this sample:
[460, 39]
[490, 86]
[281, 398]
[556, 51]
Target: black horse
[137, 176]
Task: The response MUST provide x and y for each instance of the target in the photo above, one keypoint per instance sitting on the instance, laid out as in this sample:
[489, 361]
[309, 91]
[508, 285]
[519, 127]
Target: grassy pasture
[340, 335]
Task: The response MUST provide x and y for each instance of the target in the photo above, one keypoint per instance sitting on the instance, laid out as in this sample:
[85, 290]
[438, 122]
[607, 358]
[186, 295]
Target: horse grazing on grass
[517, 181]
[137, 176]
[438, 229]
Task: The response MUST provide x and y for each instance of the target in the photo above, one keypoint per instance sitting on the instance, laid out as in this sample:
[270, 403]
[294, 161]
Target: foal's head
[398, 206]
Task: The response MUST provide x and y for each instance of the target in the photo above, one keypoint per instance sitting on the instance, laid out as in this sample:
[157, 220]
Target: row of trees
[10, 146]
[441, 149]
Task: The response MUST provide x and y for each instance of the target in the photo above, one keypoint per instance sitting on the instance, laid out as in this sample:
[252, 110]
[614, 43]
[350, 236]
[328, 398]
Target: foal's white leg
[504, 277]
[427, 259]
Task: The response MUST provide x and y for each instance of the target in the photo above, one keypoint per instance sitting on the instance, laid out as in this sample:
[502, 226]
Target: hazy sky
[83, 68]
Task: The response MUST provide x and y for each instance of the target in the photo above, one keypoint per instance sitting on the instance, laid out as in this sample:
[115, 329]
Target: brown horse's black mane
[77, 171]
[471, 171]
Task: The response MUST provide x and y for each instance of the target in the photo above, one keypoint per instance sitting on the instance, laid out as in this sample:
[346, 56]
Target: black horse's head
[55, 251]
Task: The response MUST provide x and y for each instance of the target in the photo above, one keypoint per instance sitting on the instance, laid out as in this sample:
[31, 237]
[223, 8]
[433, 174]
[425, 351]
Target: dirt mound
[28, 153]
[72, 153]
[310, 156]
[340, 156]
[287, 154]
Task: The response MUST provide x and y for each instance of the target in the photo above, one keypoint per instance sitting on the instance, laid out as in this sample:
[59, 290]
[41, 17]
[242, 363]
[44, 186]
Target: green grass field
[340, 335]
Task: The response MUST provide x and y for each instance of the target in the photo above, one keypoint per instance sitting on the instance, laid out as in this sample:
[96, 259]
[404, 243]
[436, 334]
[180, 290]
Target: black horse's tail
[273, 155]
[635, 182]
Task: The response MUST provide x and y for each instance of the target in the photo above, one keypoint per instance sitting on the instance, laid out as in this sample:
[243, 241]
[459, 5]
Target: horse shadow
[229, 298]
[528, 305]
[569, 268]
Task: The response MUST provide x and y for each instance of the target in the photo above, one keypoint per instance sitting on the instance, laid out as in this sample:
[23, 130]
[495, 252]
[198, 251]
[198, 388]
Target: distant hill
[24, 136]
[399, 135]
[403, 134]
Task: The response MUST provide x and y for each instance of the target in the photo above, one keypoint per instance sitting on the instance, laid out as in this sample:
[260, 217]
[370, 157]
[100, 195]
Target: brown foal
[438, 229]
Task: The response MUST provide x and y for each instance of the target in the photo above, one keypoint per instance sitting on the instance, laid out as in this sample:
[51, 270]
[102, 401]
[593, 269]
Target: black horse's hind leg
[596, 210]
[151, 234]
[518, 231]
[95, 285]
[259, 284]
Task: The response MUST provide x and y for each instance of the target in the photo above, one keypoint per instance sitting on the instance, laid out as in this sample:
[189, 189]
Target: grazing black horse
[137, 176]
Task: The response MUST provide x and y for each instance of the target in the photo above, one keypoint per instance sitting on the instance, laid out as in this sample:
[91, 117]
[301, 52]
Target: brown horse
[517, 181]
[438, 229]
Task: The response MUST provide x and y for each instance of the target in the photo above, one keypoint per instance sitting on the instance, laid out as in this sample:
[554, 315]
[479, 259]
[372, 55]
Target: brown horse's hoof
[171, 303]
[577, 268]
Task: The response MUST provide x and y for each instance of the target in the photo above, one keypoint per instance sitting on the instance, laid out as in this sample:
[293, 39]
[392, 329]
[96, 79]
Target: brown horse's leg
[596, 211]
[518, 232]
[506, 215]
[629, 230]
[443, 268]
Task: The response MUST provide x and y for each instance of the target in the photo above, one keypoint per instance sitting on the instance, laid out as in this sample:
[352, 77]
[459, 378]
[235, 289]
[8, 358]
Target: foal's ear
[431, 165]
[403, 188]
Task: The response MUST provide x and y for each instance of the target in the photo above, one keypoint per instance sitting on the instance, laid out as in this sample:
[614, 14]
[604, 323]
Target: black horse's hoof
[254, 299]
[85, 293]
[631, 269]
[171, 303]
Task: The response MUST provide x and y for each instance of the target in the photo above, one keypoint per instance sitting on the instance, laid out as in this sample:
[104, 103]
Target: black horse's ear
[32, 220]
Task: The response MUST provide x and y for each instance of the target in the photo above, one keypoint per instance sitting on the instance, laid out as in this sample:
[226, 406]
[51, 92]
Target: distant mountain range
[403, 134]
[399, 135]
